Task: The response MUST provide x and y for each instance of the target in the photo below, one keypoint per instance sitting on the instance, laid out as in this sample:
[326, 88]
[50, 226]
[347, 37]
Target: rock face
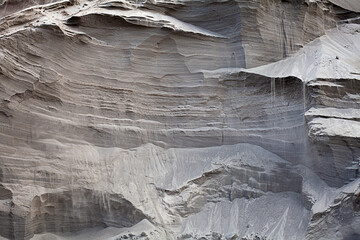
[179, 119]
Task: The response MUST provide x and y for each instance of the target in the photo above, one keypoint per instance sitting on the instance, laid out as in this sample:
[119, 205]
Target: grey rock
[179, 119]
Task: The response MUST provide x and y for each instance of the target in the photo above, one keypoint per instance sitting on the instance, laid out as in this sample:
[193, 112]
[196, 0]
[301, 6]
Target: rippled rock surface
[179, 119]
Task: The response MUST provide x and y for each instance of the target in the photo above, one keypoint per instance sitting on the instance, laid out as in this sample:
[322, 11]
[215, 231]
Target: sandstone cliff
[180, 119]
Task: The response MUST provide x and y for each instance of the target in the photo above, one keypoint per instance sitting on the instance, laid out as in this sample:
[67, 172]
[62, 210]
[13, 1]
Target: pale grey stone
[179, 119]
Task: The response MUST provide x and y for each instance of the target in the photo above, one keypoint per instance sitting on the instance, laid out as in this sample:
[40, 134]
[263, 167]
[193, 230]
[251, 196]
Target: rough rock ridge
[179, 119]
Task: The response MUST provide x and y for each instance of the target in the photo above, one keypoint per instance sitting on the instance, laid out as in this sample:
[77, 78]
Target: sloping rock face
[179, 119]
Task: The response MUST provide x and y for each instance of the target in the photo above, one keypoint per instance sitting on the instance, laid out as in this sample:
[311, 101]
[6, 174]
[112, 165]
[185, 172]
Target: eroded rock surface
[179, 119]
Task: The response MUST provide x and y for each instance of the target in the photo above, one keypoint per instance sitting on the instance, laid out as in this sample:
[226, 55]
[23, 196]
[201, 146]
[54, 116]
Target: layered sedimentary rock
[180, 120]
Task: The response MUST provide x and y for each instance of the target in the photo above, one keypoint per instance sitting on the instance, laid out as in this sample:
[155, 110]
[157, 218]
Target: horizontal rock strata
[179, 119]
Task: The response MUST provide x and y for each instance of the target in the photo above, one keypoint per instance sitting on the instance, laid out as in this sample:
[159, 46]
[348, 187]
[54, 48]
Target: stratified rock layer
[180, 120]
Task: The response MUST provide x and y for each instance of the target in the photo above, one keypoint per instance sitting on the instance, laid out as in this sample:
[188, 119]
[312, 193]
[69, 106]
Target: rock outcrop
[179, 119]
